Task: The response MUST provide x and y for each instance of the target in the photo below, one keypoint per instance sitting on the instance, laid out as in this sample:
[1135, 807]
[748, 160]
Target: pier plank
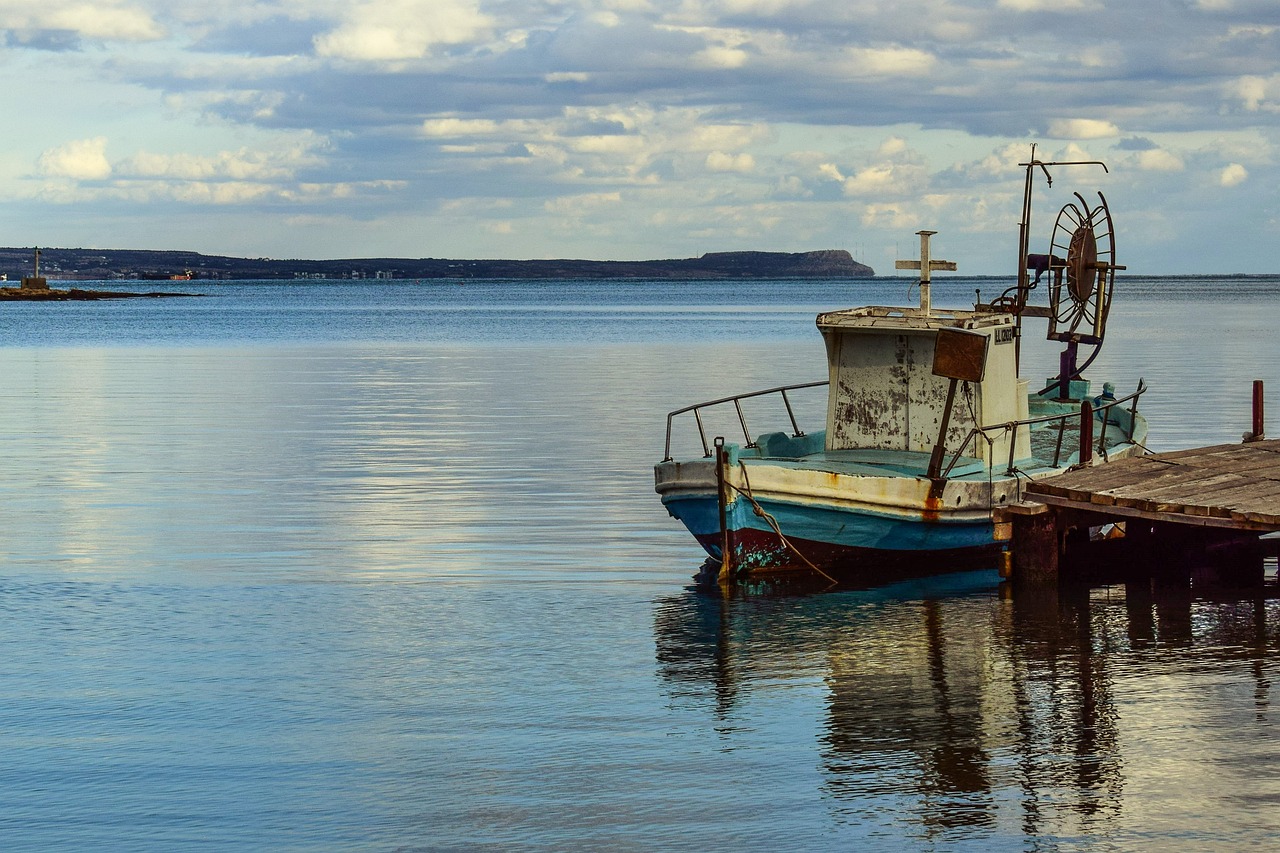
[1225, 485]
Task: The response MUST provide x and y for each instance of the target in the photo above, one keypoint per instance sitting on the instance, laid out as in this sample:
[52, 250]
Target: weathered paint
[884, 393]
[846, 506]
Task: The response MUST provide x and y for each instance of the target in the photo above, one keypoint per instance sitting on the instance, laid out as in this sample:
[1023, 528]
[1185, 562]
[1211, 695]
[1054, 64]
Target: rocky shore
[37, 290]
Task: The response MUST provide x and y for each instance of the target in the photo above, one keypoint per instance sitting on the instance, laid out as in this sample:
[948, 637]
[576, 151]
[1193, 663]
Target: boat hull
[843, 543]
[780, 517]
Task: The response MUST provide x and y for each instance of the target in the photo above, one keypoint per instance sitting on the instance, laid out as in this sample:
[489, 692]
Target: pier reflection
[957, 709]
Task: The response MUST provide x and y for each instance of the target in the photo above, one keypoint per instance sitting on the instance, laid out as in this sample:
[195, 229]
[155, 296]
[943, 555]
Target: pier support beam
[1035, 544]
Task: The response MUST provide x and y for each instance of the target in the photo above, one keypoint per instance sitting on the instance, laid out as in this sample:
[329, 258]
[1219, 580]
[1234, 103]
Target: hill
[104, 264]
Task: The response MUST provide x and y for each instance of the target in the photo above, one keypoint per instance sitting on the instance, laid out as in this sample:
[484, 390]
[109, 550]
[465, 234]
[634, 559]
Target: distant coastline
[127, 264]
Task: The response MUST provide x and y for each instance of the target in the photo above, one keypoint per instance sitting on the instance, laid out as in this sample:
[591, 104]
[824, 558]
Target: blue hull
[833, 539]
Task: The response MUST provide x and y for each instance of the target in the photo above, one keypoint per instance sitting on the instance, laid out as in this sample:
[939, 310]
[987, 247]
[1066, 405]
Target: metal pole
[1066, 370]
[935, 459]
[746, 433]
[796, 432]
[1102, 433]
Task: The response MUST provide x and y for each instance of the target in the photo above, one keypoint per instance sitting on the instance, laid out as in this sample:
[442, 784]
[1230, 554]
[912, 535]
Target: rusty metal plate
[960, 354]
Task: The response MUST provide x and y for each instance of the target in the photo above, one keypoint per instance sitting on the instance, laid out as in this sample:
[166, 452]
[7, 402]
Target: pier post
[1034, 544]
[1086, 432]
[1258, 433]
[722, 498]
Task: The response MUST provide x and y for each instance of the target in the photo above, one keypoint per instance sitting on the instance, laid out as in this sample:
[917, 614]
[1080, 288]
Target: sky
[641, 129]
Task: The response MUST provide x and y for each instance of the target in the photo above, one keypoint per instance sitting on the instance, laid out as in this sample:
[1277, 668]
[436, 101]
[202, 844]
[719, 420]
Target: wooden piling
[1258, 433]
[1034, 543]
[722, 499]
[1086, 432]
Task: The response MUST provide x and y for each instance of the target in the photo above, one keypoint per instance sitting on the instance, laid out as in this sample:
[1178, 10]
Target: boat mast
[1024, 237]
[926, 265]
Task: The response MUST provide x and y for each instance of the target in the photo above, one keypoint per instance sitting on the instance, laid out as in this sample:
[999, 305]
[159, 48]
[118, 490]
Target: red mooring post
[1086, 432]
[1259, 421]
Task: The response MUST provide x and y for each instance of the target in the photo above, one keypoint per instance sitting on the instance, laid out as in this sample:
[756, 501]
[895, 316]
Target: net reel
[1081, 287]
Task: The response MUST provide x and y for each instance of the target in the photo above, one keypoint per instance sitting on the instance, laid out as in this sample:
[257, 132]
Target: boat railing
[1085, 414]
[698, 408]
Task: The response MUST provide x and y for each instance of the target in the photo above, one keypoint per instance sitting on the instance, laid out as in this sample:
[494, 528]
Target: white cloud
[239, 165]
[81, 160]
[719, 161]
[105, 21]
[1048, 5]
[887, 62]
[389, 30]
[720, 56]
[1160, 160]
[885, 180]
[449, 126]
[831, 172]
[1233, 175]
[1256, 93]
[1081, 128]
[580, 204]
[892, 217]
[892, 146]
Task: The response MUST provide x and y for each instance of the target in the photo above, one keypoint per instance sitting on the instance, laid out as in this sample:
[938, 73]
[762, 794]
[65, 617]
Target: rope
[991, 445]
[773, 522]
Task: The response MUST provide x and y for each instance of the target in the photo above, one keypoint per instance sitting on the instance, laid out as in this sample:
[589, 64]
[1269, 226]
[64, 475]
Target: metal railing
[742, 419]
[1085, 414]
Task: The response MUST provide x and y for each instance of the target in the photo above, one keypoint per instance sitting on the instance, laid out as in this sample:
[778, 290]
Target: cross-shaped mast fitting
[926, 265]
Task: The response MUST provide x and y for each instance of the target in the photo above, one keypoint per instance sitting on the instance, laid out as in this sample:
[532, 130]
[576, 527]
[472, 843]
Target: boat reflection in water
[1136, 713]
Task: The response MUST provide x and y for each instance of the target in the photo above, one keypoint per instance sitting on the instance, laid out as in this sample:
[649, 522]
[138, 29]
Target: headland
[127, 264]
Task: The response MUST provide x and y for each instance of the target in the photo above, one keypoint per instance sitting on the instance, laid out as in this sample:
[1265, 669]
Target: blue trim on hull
[834, 532]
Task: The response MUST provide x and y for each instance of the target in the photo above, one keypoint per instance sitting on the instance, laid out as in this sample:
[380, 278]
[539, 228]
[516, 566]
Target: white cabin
[884, 394]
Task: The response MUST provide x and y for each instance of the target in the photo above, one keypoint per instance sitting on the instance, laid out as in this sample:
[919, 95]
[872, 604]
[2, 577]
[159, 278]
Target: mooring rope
[773, 522]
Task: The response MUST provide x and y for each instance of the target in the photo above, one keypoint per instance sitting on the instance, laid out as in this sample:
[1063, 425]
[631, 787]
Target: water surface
[379, 566]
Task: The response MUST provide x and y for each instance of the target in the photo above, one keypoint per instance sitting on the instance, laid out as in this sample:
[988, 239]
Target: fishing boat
[930, 423]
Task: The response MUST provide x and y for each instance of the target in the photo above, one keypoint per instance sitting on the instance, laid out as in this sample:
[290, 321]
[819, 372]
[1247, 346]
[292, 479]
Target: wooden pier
[1205, 507]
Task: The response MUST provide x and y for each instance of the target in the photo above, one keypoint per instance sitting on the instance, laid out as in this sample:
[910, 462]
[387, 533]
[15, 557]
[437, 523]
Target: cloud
[893, 217]
[1255, 93]
[388, 30]
[888, 62]
[1081, 128]
[804, 115]
[450, 126]
[55, 41]
[1159, 160]
[885, 180]
[719, 161]
[100, 21]
[81, 160]
[580, 204]
[241, 165]
[1233, 175]
[1059, 6]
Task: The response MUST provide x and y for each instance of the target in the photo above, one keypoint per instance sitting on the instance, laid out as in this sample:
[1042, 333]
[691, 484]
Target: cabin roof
[881, 316]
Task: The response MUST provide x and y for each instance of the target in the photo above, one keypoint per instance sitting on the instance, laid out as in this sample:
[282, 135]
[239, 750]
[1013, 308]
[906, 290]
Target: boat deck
[1054, 447]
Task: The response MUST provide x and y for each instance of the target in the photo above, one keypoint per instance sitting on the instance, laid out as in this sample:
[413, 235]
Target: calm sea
[378, 566]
